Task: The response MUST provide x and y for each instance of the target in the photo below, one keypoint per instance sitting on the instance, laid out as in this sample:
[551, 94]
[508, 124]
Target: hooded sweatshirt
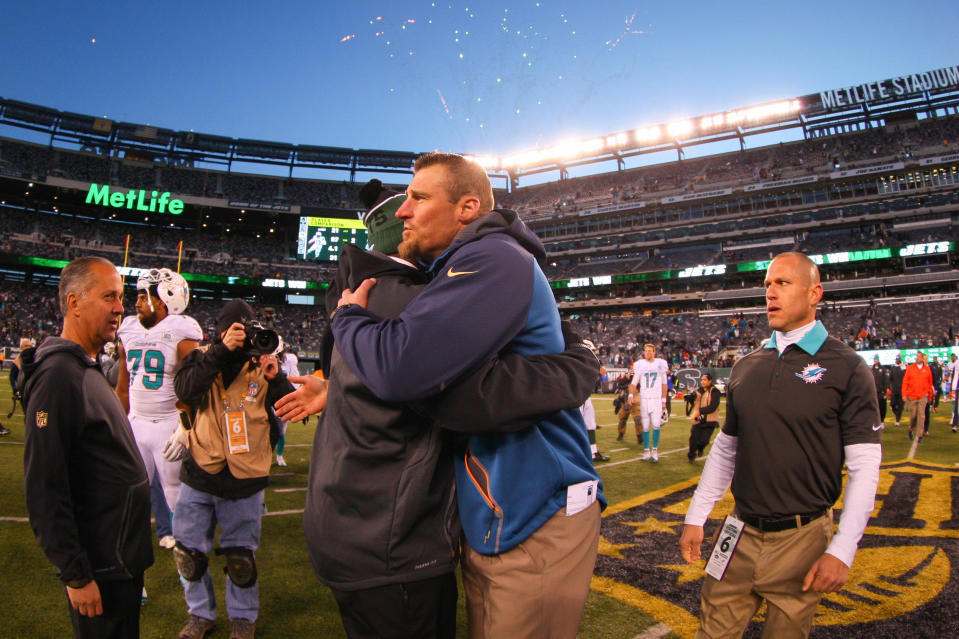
[488, 295]
[86, 487]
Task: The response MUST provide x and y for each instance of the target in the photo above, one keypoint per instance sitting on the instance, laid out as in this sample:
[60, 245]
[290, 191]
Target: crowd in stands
[789, 160]
[35, 162]
[30, 310]
[691, 340]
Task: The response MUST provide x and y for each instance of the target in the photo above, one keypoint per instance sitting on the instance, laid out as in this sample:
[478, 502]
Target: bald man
[797, 409]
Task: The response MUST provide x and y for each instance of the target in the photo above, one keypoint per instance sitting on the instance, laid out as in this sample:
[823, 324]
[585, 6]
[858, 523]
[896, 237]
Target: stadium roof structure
[190, 147]
[853, 108]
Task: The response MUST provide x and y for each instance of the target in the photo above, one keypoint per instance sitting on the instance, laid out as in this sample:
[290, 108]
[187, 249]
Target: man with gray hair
[86, 487]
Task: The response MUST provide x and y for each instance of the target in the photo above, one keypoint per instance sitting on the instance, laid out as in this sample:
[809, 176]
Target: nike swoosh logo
[878, 427]
[452, 273]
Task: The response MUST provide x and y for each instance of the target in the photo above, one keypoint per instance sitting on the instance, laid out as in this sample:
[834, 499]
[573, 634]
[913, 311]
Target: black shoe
[691, 458]
[620, 438]
[599, 457]
[4, 431]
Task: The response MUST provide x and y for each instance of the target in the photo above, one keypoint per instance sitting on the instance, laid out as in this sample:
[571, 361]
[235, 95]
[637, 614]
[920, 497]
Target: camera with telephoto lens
[259, 340]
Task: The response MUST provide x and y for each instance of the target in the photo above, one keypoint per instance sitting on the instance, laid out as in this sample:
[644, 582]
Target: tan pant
[917, 415]
[768, 566]
[538, 589]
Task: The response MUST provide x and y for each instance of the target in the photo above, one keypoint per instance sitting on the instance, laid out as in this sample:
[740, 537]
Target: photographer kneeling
[705, 415]
[226, 464]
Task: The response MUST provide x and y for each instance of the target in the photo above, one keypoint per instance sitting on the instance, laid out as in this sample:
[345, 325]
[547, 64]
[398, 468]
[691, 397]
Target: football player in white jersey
[649, 383]
[152, 344]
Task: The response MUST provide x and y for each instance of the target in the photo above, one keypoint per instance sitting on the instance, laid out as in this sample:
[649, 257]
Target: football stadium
[658, 235]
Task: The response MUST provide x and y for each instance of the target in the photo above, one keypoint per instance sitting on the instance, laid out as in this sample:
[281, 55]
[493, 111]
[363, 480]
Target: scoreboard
[320, 238]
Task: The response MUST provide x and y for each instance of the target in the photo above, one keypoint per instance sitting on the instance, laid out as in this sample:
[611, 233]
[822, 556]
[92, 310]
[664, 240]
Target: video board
[320, 238]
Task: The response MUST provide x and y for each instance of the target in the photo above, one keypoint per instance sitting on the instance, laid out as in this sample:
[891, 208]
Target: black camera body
[259, 340]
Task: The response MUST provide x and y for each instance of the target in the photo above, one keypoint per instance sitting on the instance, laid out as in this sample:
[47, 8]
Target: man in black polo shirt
[796, 410]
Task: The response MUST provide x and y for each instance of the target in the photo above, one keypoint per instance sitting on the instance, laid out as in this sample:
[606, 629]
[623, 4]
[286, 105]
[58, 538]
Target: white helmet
[169, 287]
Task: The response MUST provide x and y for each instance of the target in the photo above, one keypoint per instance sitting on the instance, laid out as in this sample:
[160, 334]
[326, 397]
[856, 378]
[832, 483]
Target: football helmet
[169, 287]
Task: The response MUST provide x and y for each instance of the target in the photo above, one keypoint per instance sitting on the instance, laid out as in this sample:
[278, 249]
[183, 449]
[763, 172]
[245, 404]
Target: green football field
[294, 604]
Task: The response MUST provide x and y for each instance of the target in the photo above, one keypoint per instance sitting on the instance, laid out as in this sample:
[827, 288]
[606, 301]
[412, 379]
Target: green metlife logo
[136, 200]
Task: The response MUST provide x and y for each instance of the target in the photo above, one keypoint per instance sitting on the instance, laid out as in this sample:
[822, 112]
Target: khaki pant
[917, 415]
[768, 566]
[538, 589]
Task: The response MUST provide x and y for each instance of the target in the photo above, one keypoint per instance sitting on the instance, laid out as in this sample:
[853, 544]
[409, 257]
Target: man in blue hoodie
[529, 501]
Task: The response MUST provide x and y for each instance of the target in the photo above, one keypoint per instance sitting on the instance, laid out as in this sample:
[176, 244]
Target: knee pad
[240, 565]
[190, 563]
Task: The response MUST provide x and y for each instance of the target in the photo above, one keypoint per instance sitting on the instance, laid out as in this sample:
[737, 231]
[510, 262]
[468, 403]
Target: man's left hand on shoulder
[828, 574]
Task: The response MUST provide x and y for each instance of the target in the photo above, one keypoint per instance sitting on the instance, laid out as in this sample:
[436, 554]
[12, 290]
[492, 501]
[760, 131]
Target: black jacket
[193, 380]
[380, 505]
[881, 379]
[86, 487]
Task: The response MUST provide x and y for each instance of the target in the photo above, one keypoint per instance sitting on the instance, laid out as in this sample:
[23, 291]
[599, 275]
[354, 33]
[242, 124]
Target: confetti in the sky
[629, 30]
[348, 37]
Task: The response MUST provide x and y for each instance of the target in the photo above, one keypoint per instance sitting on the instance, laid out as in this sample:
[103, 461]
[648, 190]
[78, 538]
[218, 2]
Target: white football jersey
[649, 377]
[152, 360]
[289, 364]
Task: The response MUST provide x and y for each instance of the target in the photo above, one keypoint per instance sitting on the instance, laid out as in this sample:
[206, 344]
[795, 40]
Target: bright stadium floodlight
[648, 134]
[679, 129]
[617, 140]
[486, 161]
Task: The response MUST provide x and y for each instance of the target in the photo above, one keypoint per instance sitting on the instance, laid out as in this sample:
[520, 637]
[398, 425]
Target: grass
[292, 602]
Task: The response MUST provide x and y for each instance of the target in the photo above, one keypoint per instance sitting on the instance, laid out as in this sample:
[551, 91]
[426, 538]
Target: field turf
[294, 604]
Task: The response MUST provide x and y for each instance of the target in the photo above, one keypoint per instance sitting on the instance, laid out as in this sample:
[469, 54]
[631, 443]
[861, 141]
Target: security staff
[797, 410]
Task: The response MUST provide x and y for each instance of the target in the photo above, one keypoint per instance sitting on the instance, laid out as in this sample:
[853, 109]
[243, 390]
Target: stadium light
[486, 161]
[617, 140]
[679, 129]
[648, 134]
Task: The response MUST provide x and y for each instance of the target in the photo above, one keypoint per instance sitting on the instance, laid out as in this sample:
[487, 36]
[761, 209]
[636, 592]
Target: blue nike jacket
[488, 295]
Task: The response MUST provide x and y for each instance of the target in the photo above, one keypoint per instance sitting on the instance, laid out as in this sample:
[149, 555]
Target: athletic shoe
[897, 422]
[167, 541]
[4, 430]
[599, 457]
[196, 628]
[646, 455]
[620, 438]
[955, 430]
[143, 596]
[655, 456]
[280, 461]
[242, 629]
[910, 436]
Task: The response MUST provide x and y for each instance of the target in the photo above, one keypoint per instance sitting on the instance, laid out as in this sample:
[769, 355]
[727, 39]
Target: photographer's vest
[704, 399]
[232, 427]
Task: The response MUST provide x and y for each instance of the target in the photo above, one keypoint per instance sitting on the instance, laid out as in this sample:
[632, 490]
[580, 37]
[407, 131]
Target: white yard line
[657, 631]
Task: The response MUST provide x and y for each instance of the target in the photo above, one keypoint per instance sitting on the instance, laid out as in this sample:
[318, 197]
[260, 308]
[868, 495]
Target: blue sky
[485, 78]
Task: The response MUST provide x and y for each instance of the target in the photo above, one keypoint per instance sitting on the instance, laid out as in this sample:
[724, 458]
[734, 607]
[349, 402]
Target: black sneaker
[620, 438]
[4, 431]
[599, 457]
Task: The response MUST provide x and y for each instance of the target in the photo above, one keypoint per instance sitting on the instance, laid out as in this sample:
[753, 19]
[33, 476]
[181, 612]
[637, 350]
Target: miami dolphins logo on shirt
[812, 373]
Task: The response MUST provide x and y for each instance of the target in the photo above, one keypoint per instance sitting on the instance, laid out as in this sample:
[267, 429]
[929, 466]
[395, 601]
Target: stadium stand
[624, 248]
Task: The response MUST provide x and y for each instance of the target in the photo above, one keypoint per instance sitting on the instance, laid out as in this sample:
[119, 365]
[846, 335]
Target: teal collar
[811, 341]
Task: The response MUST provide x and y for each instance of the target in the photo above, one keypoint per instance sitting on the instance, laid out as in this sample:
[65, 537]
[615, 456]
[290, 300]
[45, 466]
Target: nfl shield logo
[252, 389]
[41, 418]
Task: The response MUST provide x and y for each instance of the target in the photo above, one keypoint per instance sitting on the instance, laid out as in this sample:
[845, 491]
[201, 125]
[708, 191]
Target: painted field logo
[901, 584]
